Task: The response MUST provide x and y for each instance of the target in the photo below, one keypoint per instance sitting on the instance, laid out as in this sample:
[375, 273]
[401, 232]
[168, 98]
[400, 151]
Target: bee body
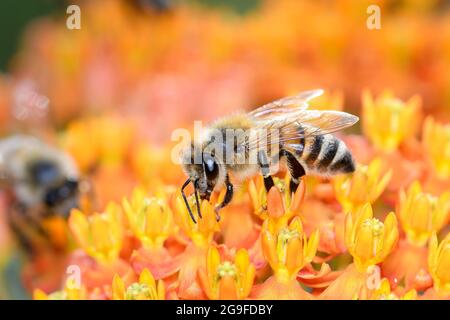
[323, 155]
[40, 182]
[241, 145]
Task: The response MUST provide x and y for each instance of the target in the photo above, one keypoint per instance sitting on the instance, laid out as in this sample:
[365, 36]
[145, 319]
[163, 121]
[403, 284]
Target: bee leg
[188, 207]
[226, 199]
[265, 170]
[295, 169]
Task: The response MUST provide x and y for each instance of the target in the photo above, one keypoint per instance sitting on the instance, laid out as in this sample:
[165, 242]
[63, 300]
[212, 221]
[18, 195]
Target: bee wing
[297, 124]
[285, 105]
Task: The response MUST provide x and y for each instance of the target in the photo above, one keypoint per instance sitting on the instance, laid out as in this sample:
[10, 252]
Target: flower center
[284, 236]
[375, 225]
[226, 269]
[136, 291]
[390, 296]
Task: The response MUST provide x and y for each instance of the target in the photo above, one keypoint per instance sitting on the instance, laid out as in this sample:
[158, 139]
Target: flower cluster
[381, 232]
[349, 237]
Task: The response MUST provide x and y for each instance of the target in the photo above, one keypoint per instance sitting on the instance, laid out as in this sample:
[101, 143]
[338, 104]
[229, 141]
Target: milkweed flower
[365, 185]
[65, 294]
[384, 292]
[439, 264]
[287, 250]
[71, 291]
[100, 235]
[88, 140]
[368, 239]
[421, 213]
[79, 141]
[436, 142]
[227, 280]
[278, 203]
[201, 236]
[145, 289]
[150, 218]
[202, 231]
[388, 121]
[408, 263]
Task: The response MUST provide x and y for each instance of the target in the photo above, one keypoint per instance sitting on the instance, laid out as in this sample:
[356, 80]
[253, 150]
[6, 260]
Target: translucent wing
[296, 124]
[285, 105]
[313, 122]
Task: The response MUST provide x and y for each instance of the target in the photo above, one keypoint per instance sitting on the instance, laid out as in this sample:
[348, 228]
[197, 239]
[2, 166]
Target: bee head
[204, 173]
[63, 197]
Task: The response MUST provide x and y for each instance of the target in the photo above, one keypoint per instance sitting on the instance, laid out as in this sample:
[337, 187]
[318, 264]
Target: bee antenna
[196, 200]
[185, 199]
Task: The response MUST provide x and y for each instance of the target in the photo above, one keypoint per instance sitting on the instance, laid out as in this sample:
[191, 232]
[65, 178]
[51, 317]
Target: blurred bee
[40, 182]
[285, 129]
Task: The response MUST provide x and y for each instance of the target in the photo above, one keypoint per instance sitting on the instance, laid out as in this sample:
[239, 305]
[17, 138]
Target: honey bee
[40, 182]
[241, 145]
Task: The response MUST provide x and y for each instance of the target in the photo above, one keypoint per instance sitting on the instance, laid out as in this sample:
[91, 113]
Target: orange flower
[351, 284]
[227, 280]
[436, 142]
[369, 240]
[287, 250]
[421, 214]
[70, 291]
[200, 233]
[383, 292]
[278, 204]
[150, 219]
[100, 235]
[330, 100]
[113, 128]
[201, 236]
[439, 264]
[89, 140]
[145, 289]
[408, 262]
[145, 158]
[66, 294]
[79, 142]
[366, 184]
[399, 120]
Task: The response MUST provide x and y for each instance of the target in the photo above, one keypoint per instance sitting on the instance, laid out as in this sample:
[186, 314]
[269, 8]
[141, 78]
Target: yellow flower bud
[145, 289]
[436, 142]
[150, 219]
[365, 185]
[421, 214]
[100, 235]
[388, 121]
[287, 249]
[369, 240]
[227, 280]
[439, 264]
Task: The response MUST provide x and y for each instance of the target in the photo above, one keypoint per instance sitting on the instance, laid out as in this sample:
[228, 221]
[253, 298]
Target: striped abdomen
[324, 155]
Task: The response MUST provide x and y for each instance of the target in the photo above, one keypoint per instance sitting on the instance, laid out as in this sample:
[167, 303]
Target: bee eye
[210, 165]
[56, 195]
[44, 172]
[211, 168]
[51, 198]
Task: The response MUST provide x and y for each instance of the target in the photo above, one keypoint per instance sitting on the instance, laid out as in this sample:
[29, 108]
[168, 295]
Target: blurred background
[136, 70]
[128, 55]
